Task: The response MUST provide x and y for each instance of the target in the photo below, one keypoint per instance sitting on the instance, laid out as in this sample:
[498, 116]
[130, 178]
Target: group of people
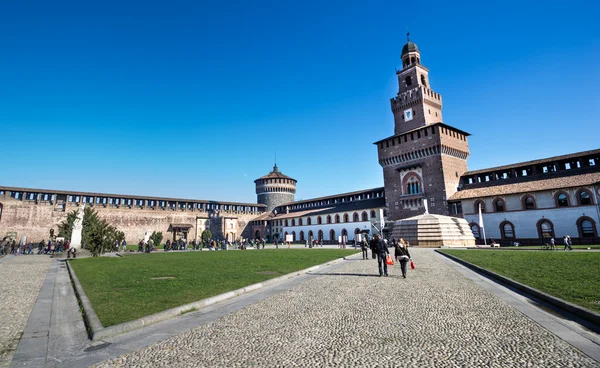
[10, 246]
[566, 241]
[380, 250]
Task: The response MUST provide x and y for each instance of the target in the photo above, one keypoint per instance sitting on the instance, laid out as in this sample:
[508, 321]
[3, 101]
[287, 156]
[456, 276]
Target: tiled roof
[275, 174]
[333, 196]
[533, 162]
[529, 186]
[126, 196]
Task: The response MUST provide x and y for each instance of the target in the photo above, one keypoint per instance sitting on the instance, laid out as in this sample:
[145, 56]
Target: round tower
[275, 189]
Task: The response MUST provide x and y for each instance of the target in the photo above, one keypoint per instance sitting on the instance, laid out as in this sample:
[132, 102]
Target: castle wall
[36, 220]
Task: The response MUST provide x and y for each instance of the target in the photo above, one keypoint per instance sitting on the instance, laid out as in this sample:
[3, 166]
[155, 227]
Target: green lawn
[571, 276]
[123, 289]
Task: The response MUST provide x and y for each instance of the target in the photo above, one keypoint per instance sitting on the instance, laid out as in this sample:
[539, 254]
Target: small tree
[99, 237]
[65, 228]
[120, 236]
[206, 235]
[156, 238]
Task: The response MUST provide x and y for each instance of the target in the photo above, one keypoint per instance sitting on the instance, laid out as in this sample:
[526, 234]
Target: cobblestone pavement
[353, 318]
[21, 278]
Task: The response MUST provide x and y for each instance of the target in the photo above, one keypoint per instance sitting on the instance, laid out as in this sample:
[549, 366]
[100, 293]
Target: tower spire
[407, 37]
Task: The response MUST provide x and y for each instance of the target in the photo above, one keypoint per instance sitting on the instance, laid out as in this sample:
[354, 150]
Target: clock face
[408, 114]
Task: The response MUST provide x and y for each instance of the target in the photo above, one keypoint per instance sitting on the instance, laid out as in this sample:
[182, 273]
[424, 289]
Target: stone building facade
[424, 166]
[424, 159]
[33, 212]
[534, 201]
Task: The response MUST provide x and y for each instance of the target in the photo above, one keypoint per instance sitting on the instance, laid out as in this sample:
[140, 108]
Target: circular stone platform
[434, 231]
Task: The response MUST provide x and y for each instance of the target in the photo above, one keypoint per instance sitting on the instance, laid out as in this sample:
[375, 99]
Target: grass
[571, 276]
[127, 288]
[558, 247]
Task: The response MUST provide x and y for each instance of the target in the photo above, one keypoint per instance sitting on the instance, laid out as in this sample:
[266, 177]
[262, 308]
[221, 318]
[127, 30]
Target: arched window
[300, 221]
[328, 219]
[562, 200]
[257, 235]
[545, 230]
[412, 60]
[476, 206]
[413, 185]
[293, 236]
[423, 81]
[293, 222]
[499, 205]
[285, 235]
[528, 202]
[345, 234]
[475, 230]
[408, 81]
[355, 217]
[320, 235]
[319, 220]
[584, 198]
[310, 234]
[337, 219]
[586, 227]
[373, 215]
[0, 211]
[364, 216]
[308, 221]
[286, 223]
[346, 217]
[332, 235]
[301, 235]
[356, 232]
[507, 230]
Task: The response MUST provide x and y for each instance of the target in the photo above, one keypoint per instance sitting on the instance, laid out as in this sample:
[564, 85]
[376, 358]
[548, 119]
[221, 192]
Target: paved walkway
[438, 317]
[20, 280]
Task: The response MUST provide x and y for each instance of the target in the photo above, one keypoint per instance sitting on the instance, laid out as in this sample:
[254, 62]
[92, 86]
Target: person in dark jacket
[402, 255]
[382, 251]
[372, 246]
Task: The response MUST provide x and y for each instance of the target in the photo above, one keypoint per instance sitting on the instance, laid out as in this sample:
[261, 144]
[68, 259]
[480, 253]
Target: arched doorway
[257, 235]
[293, 236]
[301, 235]
[320, 236]
[332, 235]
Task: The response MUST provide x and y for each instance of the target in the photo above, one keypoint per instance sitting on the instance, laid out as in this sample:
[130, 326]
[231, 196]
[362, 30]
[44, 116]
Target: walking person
[567, 240]
[382, 252]
[552, 244]
[402, 255]
[364, 247]
[372, 246]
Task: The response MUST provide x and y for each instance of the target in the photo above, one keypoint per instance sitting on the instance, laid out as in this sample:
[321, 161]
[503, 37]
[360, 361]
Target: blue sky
[192, 99]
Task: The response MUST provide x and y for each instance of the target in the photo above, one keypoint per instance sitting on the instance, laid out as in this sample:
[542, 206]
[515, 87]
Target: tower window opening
[408, 81]
[423, 81]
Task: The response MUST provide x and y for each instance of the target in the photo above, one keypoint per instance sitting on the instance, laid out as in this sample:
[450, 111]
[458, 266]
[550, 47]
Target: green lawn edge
[571, 276]
[123, 289]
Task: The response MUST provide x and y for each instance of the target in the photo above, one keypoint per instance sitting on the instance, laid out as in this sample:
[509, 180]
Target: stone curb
[98, 332]
[579, 311]
[89, 315]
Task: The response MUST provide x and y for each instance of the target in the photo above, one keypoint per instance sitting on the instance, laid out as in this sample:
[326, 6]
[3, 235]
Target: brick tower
[275, 189]
[424, 159]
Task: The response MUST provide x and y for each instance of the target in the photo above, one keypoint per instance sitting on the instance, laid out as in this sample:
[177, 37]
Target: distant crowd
[10, 246]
